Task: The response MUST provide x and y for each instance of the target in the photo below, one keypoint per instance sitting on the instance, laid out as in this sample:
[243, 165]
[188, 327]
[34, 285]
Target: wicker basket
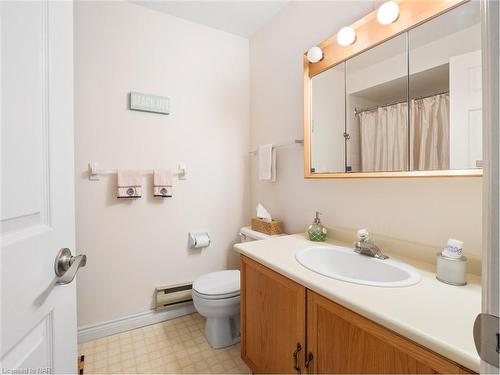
[267, 227]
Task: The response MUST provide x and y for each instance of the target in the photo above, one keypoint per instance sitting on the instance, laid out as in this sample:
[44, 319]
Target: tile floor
[173, 346]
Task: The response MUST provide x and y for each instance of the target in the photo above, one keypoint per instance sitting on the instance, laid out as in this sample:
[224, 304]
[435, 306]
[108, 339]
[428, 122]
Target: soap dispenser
[316, 231]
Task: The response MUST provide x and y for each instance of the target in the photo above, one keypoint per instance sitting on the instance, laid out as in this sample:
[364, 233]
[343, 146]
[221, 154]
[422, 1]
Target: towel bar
[94, 172]
[296, 141]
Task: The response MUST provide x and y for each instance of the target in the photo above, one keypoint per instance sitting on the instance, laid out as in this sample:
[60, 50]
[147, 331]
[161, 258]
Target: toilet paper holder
[199, 240]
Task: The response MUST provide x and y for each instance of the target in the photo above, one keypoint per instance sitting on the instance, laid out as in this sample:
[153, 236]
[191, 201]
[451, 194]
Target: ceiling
[242, 18]
[426, 82]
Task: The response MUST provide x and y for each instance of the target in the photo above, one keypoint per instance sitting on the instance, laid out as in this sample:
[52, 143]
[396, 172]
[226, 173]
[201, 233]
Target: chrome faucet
[367, 247]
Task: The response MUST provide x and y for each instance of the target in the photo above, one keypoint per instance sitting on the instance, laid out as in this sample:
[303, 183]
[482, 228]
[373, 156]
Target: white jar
[451, 270]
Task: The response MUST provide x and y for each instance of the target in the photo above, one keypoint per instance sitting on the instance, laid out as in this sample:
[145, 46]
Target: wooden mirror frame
[370, 33]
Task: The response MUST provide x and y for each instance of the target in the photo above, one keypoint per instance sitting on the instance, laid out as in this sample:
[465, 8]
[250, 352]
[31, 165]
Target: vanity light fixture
[315, 54]
[388, 13]
[346, 36]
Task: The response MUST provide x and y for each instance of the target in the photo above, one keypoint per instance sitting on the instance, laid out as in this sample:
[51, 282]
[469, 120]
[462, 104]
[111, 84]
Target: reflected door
[466, 111]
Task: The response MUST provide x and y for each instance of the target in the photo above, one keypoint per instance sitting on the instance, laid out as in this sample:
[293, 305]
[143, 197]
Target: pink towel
[162, 184]
[129, 184]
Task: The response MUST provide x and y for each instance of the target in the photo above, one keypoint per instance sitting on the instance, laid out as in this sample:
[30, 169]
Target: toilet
[216, 296]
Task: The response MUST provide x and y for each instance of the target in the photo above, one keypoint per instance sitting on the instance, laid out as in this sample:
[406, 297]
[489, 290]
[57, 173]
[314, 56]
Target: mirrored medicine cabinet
[403, 101]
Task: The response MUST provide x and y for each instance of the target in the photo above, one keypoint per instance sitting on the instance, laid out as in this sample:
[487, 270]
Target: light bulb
[388, 13]
[346, 36]
[314, 55]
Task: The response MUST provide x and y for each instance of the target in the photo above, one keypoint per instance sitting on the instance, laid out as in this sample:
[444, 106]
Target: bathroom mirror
[445, 91]
[377, 108]
[327, 120]
[405, 106]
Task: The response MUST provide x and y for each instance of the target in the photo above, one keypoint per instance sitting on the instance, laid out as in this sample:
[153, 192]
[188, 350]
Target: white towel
[129, 184]
[162, 184]
[267, 163]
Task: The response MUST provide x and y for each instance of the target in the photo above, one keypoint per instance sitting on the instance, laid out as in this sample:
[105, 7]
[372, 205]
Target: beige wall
[428, 211]
[133, 246]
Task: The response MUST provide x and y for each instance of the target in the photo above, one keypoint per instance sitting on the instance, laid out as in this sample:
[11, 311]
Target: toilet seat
[216, 296]
[218, 285]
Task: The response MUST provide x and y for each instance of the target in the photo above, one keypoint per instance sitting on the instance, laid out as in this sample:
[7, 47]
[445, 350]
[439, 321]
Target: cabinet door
[342, 341]
[273, 317]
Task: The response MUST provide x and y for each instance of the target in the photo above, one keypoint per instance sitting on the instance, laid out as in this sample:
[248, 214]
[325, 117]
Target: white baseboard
[96, 331]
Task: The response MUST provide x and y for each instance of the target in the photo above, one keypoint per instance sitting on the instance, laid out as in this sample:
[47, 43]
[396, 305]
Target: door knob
[487, 338]
[66, 265]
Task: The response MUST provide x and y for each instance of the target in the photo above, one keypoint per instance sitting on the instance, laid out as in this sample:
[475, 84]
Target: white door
[466, 135]
[38, 317]
[487, 326]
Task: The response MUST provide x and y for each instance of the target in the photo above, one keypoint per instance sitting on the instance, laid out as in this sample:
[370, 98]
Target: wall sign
[149, 103]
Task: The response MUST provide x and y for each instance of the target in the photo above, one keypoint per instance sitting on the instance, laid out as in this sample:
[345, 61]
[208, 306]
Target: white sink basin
[344, 264]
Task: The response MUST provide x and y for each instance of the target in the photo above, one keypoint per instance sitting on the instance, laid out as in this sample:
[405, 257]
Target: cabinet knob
[308, 360]
[296, 358]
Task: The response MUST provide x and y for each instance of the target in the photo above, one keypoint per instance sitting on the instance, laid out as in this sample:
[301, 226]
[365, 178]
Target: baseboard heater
[173, 295]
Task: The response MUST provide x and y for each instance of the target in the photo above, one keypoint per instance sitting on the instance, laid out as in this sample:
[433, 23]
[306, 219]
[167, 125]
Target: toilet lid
[221, 283]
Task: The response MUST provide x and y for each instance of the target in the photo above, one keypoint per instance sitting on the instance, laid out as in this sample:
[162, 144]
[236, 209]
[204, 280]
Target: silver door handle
[487, 338]
[66, 266]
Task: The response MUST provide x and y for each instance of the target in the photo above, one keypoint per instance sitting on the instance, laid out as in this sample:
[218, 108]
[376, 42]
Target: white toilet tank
[248, 234]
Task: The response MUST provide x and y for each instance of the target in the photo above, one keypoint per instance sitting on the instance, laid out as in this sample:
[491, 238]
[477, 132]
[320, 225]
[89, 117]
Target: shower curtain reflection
[430, 133]
[384, 136]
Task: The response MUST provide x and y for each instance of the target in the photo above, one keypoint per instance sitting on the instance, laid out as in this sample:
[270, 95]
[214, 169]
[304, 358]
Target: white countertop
[436, 315]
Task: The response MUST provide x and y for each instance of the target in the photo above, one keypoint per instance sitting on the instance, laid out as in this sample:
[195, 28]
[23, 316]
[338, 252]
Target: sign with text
[149, 103]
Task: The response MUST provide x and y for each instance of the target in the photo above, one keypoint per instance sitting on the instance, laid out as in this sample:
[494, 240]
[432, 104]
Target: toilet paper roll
[199, 240]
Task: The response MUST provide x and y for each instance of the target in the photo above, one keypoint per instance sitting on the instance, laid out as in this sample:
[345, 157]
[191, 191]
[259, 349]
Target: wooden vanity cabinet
[345, 342]
[273, 312]
[273, 321]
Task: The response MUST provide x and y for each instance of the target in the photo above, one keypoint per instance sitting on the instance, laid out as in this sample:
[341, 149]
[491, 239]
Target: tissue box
[267, 227]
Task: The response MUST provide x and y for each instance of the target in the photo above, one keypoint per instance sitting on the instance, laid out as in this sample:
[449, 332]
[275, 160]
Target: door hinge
[487, 338]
